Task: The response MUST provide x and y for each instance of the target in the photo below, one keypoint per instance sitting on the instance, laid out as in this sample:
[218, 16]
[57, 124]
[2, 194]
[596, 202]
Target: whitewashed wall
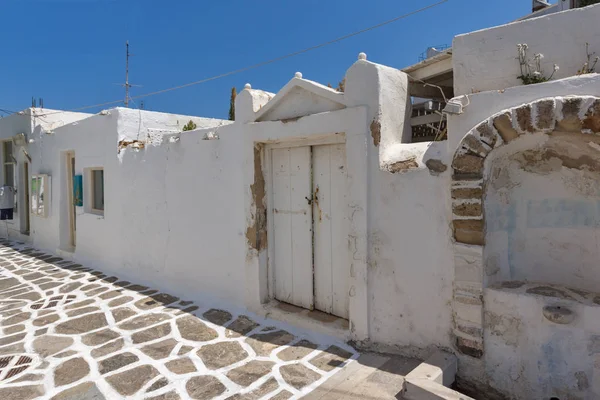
[480, 106]
[176, 213]
[159, 207]
[486, 59]
[410, 256]
[529, 356]
[541, 221]
[542, 218]
[31, 122]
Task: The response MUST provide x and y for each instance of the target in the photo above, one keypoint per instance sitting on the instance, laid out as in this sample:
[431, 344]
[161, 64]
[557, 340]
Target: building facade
[315, 206]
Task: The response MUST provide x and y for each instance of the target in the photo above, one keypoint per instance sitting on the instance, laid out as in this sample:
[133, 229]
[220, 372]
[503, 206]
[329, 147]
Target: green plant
[190, 126]
[589, 66]
[531, 70]
[341, 87]
[232, 104]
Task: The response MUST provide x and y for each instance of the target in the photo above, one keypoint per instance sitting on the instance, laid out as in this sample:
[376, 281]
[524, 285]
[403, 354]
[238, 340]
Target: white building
[314, 207]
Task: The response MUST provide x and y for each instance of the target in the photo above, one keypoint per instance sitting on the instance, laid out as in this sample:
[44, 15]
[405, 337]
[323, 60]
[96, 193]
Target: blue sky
[72, 52]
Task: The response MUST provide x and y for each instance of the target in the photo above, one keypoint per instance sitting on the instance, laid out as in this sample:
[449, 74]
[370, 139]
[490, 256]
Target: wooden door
[310, 227]
[292, 225]
[26, 209]
[70, 159]
[330, 221]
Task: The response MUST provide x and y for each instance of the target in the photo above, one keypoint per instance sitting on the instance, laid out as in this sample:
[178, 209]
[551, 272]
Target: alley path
[68, 332]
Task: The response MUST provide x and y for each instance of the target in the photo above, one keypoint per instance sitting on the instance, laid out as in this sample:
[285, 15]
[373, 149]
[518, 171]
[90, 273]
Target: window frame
[94, 210]
[45, 180]
[8, 161]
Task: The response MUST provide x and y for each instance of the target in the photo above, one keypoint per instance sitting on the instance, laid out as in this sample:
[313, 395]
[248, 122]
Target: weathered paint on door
[330, 229]
[292, 224]
[310, 227]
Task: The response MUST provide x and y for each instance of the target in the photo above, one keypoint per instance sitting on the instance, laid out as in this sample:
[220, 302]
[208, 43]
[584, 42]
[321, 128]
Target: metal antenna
[127, 76]
[127, 85]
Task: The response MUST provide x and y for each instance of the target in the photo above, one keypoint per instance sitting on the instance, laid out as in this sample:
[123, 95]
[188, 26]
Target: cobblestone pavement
[68, 332]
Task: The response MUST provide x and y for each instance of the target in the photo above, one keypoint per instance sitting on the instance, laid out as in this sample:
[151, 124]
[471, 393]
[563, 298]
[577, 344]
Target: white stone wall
[410, 255]
[178, 207]
[542, 218]
[525, 209]
[486, 59]
[161, 223]
[187, 214]
[542, 346]
[31, 122]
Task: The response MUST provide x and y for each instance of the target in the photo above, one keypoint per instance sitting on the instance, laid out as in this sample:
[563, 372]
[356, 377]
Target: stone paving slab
[69, 332]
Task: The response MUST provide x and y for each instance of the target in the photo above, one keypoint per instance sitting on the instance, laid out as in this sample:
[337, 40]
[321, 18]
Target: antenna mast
[127, 85]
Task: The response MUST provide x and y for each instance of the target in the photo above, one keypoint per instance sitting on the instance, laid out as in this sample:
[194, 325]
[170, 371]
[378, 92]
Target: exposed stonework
[467, 193]
[560, 116]
[469, 347]
[545, 115]
[592, 118]
[469, 231]
[467, 209]
[468, 164]
[256, 232]
[570, 111]
[375, 132]
[503, 123]
[524, 120]
[487, 134]
[403, 166]
[436, 167]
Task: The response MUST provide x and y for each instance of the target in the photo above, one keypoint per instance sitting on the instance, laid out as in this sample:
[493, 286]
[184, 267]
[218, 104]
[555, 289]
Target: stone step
[371, 377]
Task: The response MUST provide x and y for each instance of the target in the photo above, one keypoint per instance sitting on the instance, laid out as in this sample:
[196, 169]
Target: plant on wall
[232, 104]
[531, 70]
[589, 66]
[190, 126]
[341, 87]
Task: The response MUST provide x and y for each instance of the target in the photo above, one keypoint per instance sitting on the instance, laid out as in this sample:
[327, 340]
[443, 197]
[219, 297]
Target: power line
[261, 64]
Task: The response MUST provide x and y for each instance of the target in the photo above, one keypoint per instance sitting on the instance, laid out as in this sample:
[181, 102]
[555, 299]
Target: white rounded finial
[247, 86]
[298, 75]
[362, 56]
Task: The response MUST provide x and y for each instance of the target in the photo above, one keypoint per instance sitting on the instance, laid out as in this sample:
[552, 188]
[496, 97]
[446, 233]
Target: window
[9, 163]
[97, 178]
[40, 195]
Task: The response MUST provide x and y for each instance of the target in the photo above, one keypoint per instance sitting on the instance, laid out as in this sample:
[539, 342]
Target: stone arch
[569, 114]
[579, 114]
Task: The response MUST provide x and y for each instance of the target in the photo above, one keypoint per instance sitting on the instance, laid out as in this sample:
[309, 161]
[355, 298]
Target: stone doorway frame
[469, 178]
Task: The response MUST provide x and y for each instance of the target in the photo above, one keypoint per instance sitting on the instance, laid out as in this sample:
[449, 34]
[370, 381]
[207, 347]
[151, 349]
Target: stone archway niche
[531, 144]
